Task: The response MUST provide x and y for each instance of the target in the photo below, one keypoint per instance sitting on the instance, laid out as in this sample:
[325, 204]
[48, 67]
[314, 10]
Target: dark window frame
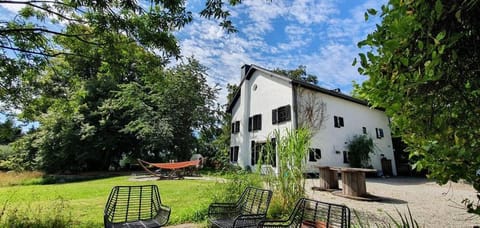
[282, 114]
[314, 154]
[338, 122]
[345, 157]
[234, 150]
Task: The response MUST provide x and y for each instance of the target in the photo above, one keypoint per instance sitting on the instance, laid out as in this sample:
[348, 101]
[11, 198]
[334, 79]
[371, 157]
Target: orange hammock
[175, 165]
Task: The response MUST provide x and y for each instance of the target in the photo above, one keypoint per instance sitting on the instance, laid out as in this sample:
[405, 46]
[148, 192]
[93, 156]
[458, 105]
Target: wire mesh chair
[135, 206]
[313, 214]
[250, 208]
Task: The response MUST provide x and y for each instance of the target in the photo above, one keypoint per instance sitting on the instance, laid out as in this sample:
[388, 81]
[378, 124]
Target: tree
[9, 132]
[422, 67]
[27, 41]
[299, 74]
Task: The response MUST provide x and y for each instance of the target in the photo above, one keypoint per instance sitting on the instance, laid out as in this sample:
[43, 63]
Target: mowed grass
[84, 201]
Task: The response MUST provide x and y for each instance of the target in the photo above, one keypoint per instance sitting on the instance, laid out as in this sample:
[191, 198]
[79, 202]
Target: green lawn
[84, 201]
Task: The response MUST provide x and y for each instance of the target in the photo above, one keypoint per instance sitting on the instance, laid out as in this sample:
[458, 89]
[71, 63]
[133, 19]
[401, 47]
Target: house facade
[266, 101]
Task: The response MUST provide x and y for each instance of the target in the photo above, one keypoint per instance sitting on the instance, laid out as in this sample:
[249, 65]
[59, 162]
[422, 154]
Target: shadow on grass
[49, 179]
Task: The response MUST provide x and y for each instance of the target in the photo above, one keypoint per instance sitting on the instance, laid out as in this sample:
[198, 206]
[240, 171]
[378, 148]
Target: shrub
[359, 149]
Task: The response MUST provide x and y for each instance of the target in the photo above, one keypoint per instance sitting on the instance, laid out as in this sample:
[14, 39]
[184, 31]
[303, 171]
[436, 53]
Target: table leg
[354, 183]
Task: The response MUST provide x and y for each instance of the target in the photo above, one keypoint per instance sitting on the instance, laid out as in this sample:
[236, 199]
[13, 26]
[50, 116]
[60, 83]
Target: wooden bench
[313, 214]
[250, 209]
[135, 206]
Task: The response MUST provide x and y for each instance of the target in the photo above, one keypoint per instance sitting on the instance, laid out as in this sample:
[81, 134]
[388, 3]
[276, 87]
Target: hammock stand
[175, 170]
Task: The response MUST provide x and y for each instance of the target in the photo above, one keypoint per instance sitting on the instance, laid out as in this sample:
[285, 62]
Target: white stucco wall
[271, 93]
[331, 139]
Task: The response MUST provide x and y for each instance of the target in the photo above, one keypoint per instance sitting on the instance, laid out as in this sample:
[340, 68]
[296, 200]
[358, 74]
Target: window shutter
[318, 154]
[274, 152]
[250, 123]
[311, 155]
[288, 115]
[231, 154]
[252, 148]
[233, 128]
[257, 122]
[364, 130]
[380, 131]
[340, 121]
[237, 126]
[235, 154]
[274, 116]
[335, 121]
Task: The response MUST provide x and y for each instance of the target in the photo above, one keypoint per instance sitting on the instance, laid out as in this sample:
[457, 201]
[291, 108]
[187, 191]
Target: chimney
[337, 90]
[244, 71]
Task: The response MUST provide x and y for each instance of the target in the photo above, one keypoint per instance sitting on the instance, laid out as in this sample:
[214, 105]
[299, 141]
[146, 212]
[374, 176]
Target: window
[235, 127]
[281, 114]
[260, 153]
[314, 154]
[379, 132]
[345, 157]
[255, 123]
[364, 130]
[234, 154]
[338, 121]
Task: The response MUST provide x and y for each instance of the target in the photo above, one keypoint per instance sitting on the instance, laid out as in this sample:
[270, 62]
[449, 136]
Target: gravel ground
[431, 205]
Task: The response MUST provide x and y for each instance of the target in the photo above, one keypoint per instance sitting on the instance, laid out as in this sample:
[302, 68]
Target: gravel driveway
[431, 205]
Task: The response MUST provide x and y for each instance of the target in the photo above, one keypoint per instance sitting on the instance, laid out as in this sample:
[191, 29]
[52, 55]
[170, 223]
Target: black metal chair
[135, 206]
[246, 212]
[313, 214]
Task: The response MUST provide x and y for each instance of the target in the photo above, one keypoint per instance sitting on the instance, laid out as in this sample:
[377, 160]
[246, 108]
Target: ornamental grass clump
[288, 184]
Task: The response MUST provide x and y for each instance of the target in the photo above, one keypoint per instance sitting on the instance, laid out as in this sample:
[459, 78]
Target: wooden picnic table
[328, 178]
[353, 181]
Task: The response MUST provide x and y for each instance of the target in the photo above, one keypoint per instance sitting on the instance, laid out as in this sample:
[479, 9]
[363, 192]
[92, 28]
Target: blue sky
[320, 34]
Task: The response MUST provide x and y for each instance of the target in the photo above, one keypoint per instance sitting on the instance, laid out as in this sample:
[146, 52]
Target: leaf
[440, 36]
[354, 62]
[458, 16]
[372, 11]
[363, 60]
[439, 8]
[366, 16]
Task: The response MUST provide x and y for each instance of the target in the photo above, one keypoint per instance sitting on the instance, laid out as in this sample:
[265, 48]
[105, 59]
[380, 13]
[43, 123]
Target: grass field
[84, 201]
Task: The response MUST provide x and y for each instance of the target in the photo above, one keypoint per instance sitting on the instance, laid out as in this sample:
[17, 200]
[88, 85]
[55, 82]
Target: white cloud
[311, 11]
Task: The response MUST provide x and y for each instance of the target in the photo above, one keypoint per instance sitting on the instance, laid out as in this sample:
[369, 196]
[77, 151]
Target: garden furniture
[310, 213]
[135, 206]
[353, 183]
[250, 208]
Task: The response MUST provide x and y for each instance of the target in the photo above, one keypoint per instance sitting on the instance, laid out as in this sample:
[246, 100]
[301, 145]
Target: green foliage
[234, 185]
[32, 40]
[9, 132]
[422, 67]
[359, 149]
[289, 184]
[118, 103]
[299, 74]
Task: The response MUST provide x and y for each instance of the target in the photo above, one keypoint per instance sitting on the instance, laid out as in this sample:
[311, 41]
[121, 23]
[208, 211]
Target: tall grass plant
[288, 184]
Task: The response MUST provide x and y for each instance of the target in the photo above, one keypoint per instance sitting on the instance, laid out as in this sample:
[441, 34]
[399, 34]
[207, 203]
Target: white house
[266, 101]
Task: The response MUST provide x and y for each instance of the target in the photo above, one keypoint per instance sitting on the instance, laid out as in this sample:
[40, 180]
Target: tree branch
[76, 36]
